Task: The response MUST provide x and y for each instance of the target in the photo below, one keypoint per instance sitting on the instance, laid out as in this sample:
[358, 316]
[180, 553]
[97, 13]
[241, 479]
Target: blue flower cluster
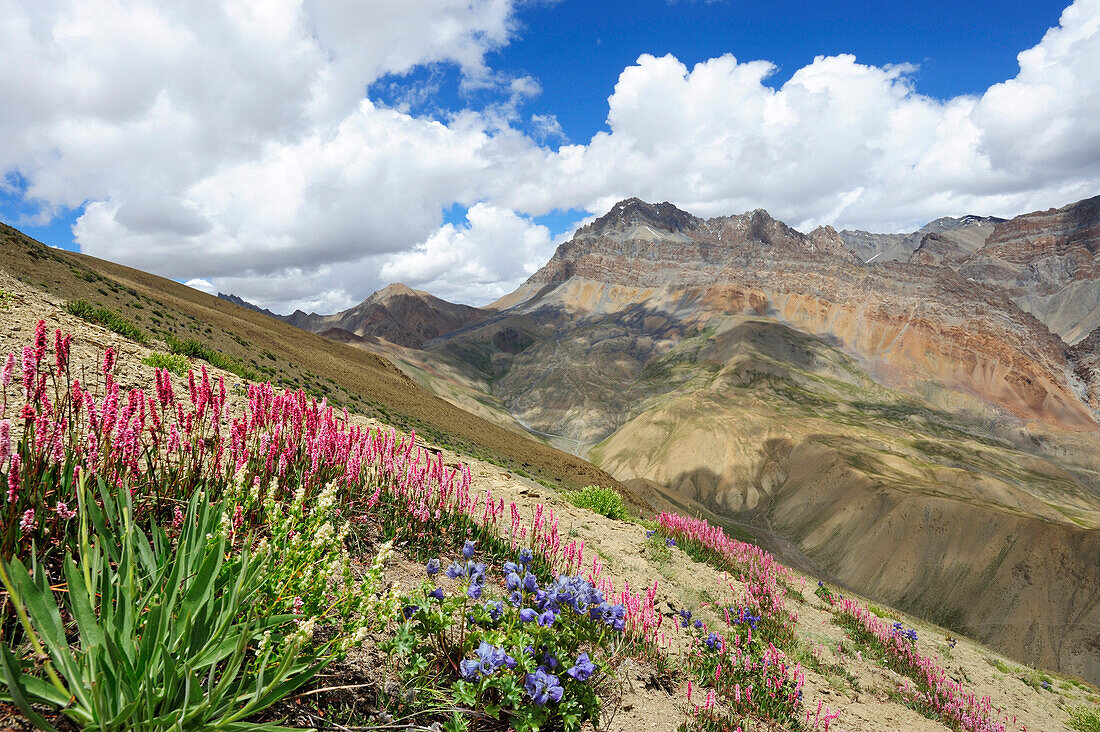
[909, 634]
[713, 642]
[489, 659]
[742, 615]
[670, 542]
[685, 620]
[575, 593]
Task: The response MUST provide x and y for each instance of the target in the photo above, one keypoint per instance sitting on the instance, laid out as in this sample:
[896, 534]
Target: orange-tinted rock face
[912, 323]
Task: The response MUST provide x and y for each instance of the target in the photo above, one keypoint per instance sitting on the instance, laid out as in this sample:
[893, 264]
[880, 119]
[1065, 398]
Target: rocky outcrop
[245, 304]
[968, 233]
[1047, 263]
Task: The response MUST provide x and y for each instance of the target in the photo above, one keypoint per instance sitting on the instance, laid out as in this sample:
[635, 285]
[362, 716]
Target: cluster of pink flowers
[933, 689]
[747, 675]
[163, 443]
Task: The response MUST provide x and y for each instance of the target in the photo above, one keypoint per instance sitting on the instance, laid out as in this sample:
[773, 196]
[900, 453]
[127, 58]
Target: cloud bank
[231, 143]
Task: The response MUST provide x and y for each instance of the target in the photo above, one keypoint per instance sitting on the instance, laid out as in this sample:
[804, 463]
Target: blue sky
[577, 49]
[234, 151]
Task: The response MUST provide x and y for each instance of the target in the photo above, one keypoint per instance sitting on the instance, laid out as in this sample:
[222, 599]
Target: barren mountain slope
[396, 313]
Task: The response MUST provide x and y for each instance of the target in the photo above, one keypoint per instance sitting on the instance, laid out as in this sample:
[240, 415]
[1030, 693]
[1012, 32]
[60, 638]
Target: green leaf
[14, 678]
[80, 602]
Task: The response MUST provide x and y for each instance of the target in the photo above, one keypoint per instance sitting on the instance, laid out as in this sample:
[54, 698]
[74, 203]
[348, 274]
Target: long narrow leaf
[13, 677]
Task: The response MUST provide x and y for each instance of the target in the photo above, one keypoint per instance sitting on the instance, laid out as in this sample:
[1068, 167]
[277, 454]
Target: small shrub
[175, 363]
[882, 613]
[604, 501]
[1085, 718]
[106, 317]
[529, 661]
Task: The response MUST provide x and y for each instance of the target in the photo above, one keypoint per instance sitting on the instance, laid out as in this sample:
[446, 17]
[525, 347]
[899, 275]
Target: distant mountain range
[914, 415]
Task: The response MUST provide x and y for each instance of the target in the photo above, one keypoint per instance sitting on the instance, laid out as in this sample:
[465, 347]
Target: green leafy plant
[604, 501]
[528, 662]
[175, 363]
[309, 570]
[167, 637]
[106, 317]
[1085, 718]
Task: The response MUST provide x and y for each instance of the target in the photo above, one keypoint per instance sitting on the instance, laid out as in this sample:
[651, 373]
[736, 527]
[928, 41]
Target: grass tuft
[106, 317]
[604, 501]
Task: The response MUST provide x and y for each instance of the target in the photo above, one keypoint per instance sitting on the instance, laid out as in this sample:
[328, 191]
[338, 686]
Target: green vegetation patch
[192, 348]
[106, 317]
[1085, 718]
[604, 501]
[174, 362]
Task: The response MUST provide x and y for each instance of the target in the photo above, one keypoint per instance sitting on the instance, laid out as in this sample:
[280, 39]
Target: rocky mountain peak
[396, 289]
[634, 211]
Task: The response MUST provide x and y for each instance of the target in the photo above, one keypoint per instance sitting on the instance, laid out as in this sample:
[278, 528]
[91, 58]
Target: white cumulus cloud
[232, 142]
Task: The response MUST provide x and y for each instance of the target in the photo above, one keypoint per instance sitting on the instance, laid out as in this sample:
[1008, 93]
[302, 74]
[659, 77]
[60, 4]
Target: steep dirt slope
[287, 355]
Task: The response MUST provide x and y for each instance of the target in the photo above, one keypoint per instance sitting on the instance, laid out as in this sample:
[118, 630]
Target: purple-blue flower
[437, 593]
[615, 616]
[525, 556]
[468, 669]
[698, 624]
[543, 687]
[410, 610]
[583, 668]
[476, 572]
[516, 598]
[473, 591]
[526, 615]
[512, 581]
[530, 582]
[456, 570]
[468, 548]
[546, 619]
[496, 609]
[432, 567]
[510, 567]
